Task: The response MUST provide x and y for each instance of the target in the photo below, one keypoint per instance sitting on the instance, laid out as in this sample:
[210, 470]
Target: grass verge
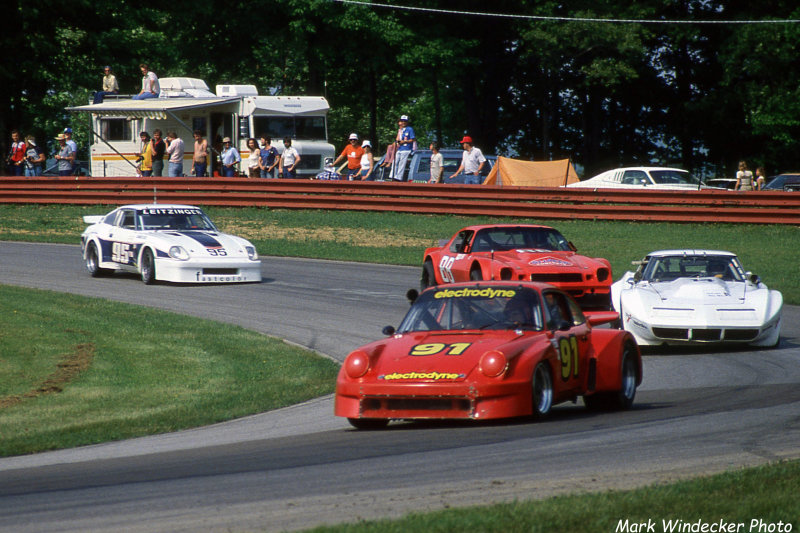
[762, 499]
[400, 239]
[77, 371]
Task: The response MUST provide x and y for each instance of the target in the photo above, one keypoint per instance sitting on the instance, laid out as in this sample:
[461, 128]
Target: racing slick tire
[475, 274]
[428, 276]
[93, 261]
[368, 423]
[623, 398]
[148, 267]
[542, 390]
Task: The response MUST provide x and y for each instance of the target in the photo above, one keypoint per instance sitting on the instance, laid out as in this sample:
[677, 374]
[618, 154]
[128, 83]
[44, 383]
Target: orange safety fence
[707, 205]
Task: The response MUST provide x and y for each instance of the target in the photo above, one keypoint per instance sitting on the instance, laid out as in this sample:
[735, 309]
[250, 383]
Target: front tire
[428, 276]
[542, 390]
[148, 267]
[368, 423]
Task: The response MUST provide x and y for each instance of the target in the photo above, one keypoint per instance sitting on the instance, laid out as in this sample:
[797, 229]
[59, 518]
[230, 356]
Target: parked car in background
[418, 168]
[783, 182]
[655, 178]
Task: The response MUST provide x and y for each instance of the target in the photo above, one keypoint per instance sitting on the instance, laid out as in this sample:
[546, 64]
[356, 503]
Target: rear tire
[368, 423]
[148, 267]
[623, 398]
[93, 261]
[475, 274]
[542, 390]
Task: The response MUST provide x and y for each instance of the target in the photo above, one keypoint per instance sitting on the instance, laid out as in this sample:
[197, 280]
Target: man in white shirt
[150, 85]
[472, 162]
[175, 151]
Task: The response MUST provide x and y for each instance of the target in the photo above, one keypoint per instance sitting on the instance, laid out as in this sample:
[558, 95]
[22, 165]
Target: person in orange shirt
[353, 153]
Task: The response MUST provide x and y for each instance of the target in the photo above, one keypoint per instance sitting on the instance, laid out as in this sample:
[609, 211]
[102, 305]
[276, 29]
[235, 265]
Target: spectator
[761, 178]
[110, 85]
[744, 178]
[64, 156]
[150, 85]
[269, 157]
[34, 157]
[74, 147]
[289, 159]
[405, 143]
[159, 147]
[472, 162]
[145, 155]
[230, 158]
[437, 163]
[175, 151]
[200, 155]
[253, 160]
[17, 153]
[353, 153]
[367, 162]
[388, 160]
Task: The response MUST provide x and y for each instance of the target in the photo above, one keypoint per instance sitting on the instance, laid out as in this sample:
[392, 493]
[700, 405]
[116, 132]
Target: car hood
[532, 258]
[452, 356]
[694, 292]
[195, 241]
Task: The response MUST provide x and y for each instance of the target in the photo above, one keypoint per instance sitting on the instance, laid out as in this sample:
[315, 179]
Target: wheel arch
[609, 346]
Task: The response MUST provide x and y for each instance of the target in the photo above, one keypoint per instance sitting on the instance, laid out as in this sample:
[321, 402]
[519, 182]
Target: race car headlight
[602, 274]
[356, 364]
[493, 363]
[179, 253]
[252, 254]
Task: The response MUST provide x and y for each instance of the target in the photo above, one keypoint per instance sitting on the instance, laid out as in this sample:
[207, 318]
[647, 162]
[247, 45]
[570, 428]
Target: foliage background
[700, 96]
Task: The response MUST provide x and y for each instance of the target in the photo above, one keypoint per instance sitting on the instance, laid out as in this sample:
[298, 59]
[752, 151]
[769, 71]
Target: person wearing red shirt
[17, 154]
[353, 153]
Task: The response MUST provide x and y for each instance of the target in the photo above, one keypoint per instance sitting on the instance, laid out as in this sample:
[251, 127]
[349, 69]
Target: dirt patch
[70, 367]
[357, 237]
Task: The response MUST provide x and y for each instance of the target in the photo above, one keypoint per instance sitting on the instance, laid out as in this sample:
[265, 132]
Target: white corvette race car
[696, 296]
[167, 242]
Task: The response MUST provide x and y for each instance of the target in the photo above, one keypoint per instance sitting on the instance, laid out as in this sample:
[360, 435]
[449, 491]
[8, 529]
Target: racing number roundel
[568, 355]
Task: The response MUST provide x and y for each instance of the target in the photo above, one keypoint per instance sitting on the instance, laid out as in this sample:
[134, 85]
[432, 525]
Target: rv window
[115, 129]
[307, 128]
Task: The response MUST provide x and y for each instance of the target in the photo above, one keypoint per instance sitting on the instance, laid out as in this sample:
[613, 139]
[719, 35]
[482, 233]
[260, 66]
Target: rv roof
[153, 108]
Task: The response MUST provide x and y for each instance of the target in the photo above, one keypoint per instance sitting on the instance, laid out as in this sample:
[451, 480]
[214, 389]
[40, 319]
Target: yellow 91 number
[568, 354]
[457, 348]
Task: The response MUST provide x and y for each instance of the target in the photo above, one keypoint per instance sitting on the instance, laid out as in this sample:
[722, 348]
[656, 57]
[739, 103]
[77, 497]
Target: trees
[605, 94]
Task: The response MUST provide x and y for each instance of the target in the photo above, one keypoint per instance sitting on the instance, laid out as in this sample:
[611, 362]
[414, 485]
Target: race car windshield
[724, 267]
[478, 308]
[673, 177]
[175, 220]
[502, 239]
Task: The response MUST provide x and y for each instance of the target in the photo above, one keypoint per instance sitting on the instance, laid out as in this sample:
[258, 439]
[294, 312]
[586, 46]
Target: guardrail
[707, 205]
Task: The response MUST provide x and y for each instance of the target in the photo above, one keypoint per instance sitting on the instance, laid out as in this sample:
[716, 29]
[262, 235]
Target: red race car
[519, 252]
[482, 350]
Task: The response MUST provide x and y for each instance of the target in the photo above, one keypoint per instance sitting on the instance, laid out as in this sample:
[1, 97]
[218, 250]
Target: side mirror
[572, 246]
[412, 295]
[388, 330]
[754, 279]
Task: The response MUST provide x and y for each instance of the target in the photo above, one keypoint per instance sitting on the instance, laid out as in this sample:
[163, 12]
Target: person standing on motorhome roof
[269, 157]
[110, 85]
[353, 153]
[150, 85]
[175, 151]
[230, 158]
[159, 147]
[289, 159]
[200, 155]
[405, 143]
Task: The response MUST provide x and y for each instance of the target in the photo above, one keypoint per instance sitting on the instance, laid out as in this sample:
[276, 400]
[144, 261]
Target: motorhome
[187, 104]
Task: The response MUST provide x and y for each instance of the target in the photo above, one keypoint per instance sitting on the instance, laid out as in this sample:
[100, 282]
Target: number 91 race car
[167, 242]
[484, 350]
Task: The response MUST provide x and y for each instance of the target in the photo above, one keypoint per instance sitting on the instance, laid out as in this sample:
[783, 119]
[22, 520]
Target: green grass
[393, 238]
[767, 493]
[78, 371]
